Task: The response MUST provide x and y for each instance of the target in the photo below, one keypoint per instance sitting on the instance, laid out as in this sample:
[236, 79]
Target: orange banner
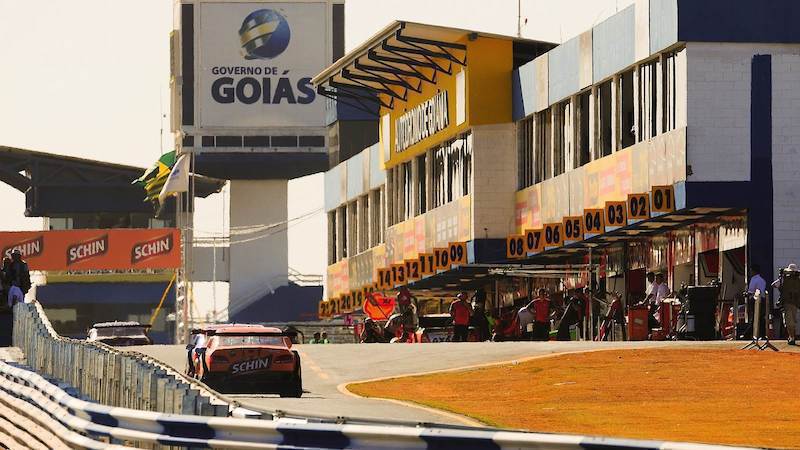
[112, 249]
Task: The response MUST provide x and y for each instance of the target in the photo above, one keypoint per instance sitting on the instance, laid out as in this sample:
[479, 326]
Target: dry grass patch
[698, 395]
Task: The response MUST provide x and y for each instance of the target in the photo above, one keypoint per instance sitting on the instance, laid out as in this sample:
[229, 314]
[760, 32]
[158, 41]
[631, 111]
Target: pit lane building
[663, 138]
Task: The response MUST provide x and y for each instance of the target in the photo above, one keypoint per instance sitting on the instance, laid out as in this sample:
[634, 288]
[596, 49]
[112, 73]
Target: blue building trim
[756, 194]
[718, 194]
[57, 294]
[523, 91]
[767, 21]
[760, 240]
[486, 250]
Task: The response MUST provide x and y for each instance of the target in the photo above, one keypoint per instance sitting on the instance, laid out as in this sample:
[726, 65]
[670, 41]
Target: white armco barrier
[82, 424]
[110, 375]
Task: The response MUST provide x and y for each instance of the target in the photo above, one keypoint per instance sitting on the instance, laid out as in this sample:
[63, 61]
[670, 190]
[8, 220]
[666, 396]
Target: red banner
[112, 249]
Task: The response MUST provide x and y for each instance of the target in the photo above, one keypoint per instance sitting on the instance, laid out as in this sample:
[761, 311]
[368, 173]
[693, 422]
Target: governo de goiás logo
[264, 34]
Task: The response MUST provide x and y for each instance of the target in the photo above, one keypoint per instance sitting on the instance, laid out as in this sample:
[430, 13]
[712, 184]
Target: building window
[604, 126]
[407, 174]
[670, 99]
[395, 194]
[452, 170]
[627, 110]
[332, 249]
[352, 228]
[543, 140]
[363, 223]
[563, 148]
[421, 182]
[648, 100]
[391, 187]
[376, 217]
[341, 230]
[584, 135]
[526, 176]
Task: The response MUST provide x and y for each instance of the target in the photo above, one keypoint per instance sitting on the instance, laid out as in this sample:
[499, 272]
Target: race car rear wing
[288, 334]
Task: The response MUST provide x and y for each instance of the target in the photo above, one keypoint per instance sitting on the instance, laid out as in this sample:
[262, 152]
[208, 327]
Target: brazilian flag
[153, 179]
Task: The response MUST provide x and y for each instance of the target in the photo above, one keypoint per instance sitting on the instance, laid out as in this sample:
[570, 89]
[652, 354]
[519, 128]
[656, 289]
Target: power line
[267, 231]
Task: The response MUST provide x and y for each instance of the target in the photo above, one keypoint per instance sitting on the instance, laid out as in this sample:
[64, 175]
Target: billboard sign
[110, 249]
[256, 61]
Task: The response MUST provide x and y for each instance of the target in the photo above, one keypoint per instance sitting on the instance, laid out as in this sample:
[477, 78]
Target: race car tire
[295, 387]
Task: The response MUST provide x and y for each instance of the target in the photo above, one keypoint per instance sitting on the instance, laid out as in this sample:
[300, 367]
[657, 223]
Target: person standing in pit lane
[190, 367]
[541, 310]
[5, 280]
[19, 278]
[479, 320]
[788, 283]
[460, 311]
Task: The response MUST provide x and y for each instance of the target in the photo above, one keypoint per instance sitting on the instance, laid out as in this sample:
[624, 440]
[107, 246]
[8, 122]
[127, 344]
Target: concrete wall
[494, 180]
[786, 158]
[564, 74]
[205, 268]
[355, 175]
[353, 178]
[334, 194]
[259, 265]
[718, 108]
[663, 24]
[613, 44]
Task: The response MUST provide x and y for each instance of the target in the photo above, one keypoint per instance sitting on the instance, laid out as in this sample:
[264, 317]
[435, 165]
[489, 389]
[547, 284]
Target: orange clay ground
[697, 395]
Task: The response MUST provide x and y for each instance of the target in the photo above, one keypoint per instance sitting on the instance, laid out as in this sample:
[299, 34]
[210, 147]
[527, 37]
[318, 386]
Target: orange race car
[250, 358]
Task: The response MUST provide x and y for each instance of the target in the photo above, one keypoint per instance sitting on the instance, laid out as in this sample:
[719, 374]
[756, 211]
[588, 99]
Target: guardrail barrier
[110, 375]
[81, 424]
[144, 403]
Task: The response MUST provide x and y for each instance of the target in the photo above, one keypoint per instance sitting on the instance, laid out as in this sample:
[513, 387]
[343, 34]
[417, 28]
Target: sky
[90, 78]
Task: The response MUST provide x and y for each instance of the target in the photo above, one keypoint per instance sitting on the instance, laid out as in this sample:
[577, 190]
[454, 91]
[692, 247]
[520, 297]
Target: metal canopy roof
[637, 231]
[399, 58]
[57, 184]
[555, 262]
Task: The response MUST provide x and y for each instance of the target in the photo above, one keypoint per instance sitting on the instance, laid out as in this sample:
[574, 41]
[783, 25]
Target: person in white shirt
[660, 289]
[658, 292]
[197, 344]
[526, 319]
[200, 349]
[650, 280]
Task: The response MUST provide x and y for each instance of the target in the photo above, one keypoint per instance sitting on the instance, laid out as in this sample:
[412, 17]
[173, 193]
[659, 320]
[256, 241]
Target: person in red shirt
[541, 310]
[460, 311]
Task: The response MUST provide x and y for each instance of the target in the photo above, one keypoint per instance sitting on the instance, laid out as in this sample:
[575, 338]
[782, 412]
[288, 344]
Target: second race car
[249, 358]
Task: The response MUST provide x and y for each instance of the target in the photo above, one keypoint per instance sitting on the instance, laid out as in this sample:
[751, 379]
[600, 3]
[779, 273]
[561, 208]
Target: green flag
[165, 162]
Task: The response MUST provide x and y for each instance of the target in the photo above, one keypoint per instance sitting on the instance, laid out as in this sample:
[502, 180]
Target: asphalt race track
[325, 367]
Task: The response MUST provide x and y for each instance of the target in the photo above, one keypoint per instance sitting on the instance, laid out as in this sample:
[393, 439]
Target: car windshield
[232, 341]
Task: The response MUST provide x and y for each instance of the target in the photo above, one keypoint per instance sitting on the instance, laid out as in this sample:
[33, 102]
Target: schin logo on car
[91, 248]
[248, 366]
[150, 249]
[29, 248]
